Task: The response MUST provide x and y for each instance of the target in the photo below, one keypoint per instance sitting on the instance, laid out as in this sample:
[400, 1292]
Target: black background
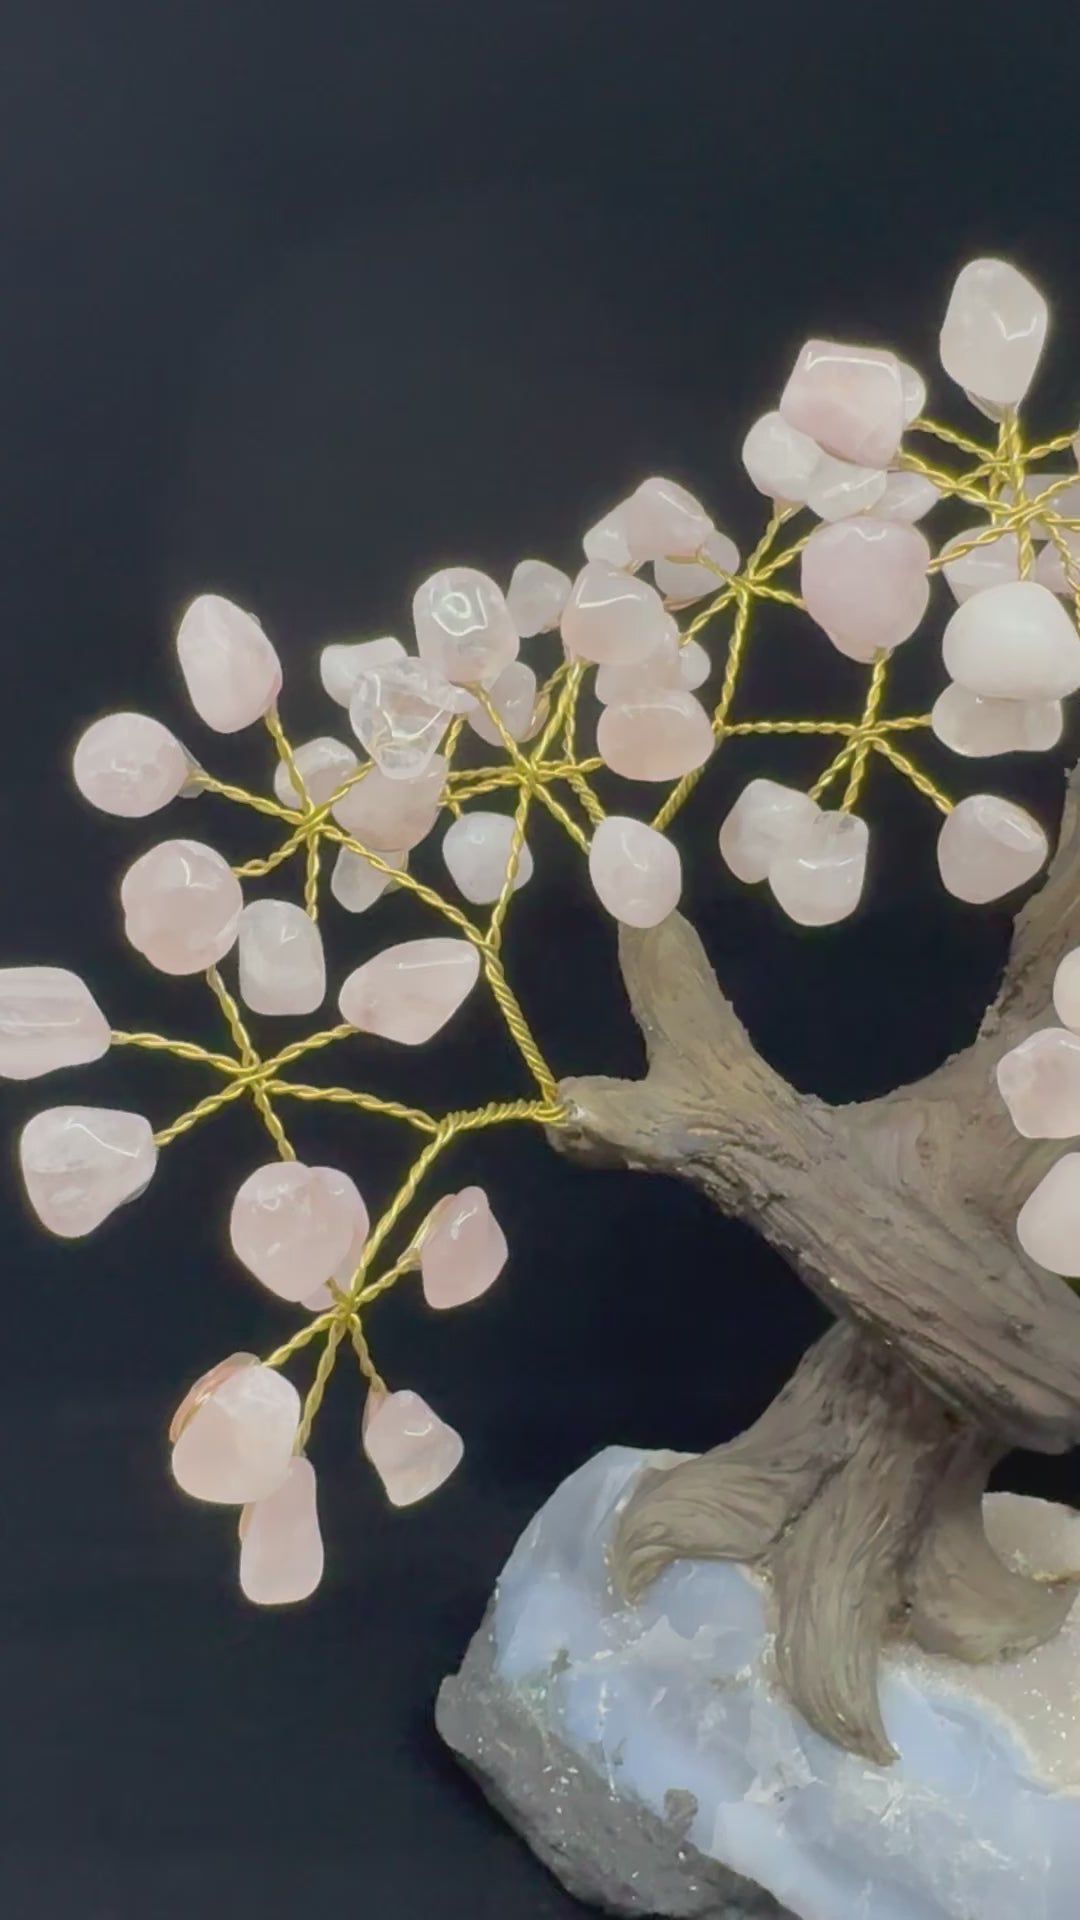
[298, 303]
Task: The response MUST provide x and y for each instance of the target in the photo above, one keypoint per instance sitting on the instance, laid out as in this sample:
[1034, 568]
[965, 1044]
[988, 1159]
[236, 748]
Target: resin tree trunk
[860, 1489]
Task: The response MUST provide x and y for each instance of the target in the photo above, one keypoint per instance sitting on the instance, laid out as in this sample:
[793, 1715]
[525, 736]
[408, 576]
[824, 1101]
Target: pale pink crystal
[907, 497]
[513, 696]
[1013, 642]
[992, 564]
[1067, 990]
[987, 847]
[407, 992]
[913, 387]
[400, 713]
[323, 765]
[612, 617]
[865, 582]
[780, 460]
[976, 726]
[993, 331]
[636, 871]
[664, 519]
[410, 1448]
[238, 1442]
[536, 597]
[610, 540]
[129, 764]
[764, 817]
[293, 1225]
[356, 883]
[661, 667]
[817, 876]
[659, 735]
[282, 964]
[695, 665]
[345, 1271]
[343, 661]
[233, 674]
[1052, 569]
[683, 581]
[476, 849]
[182, 906]
[383, 813]
[81, 1163]
[463, 1249]
[281, 1549]
[849, 399]
[462, 625]
[203, 1387]
[838, 488]
[48, 1018]
[1048, 1227]
[1039, 1082]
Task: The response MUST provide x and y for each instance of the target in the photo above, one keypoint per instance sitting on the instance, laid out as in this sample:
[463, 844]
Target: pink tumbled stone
[463, 627]
[356, 883]
[660, 667]
[993, 332]
[48, 1018]
[81, 1163]
[293, 1225]
[407, 992]
[838, 489]
[343, 661]
[182, 905]
[612, 617]
[1013, 642]
[463, 1250]
[476, 849]
[987, 847]
[234, 1438]
[1052, 569]
[384, 814]
[1039, 1082]
[410, 1448]
[780, 460]
[282, 964]
[536, 597]
[849, 399]
[659, 735]
[907, 497]
[400, 713]
[203, 1387]
[129, 764]
[1048, 1227]
[664, 519]
[695, 665]
[233, 674]
[323, 766]
[993, 564]
[817, 876]
[636, 871]
[513, 696]
[914, 391]
[865, 582]
[683, 581]
[975, 726]
[281, 1549]
[764, 817]
[610, 540]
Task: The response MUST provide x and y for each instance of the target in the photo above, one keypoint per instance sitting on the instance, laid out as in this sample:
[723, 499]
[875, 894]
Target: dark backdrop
[299, 303]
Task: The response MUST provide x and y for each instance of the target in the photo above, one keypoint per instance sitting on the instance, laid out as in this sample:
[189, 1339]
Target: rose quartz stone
[780, 460]
[661, 667]
[407, 992]
[1039, 1082]
[463, 626]
[865, 582]
[987, 847]
[356, 884]
[282, 964]
[237, 1442]
[849, 399]
[232, 673]
[203, 1387]
[838, 489]
[660, 735]
[976, 727]
[1051, 569]
[342, 663]
[129, 764]
[323, 766]
[410, 1448]
[345, 1271]
[664, 519]
[1048, 1227]
[817, 876]
[536, 597]
[182, 906]
[695, 665]
[1064, 499]
[400, 713]
[1013, 642]
[281, 1549]
[1067, 990]
[993, 332]
[48, 1018]
[993, 564]
[476, 849]
[293, 1225]
[463, 1250]
[913, 387]
[683, 581]
[907, 497]
[610, 540]
[612, 617]
[764, 818]
[81, 1163]
[636, 871]
[513, 695]
[383, 813]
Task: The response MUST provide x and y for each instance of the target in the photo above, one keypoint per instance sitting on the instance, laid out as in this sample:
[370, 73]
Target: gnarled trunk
[860, 1489]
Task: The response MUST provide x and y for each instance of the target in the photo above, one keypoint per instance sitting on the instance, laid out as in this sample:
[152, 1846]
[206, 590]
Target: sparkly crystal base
[648, 1759]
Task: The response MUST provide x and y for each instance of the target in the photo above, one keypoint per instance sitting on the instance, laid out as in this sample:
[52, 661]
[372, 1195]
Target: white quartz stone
[780, 460]
[1067, 990]
[282, 964]
[817, 876]
[356, 883]
[764, 816]
[976, 727]
[906, 496]
[987, 847]
[993, 332]
[1039, 1082]
[1048, 1227]
[342, 663]
[1013, 642]
[536, 596]
[838, 488]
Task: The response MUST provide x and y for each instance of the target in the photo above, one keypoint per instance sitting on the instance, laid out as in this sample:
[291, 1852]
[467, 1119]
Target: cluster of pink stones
[1039, 1081]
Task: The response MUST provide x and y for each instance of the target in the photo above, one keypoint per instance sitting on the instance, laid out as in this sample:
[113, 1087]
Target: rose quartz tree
[936, 1223]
